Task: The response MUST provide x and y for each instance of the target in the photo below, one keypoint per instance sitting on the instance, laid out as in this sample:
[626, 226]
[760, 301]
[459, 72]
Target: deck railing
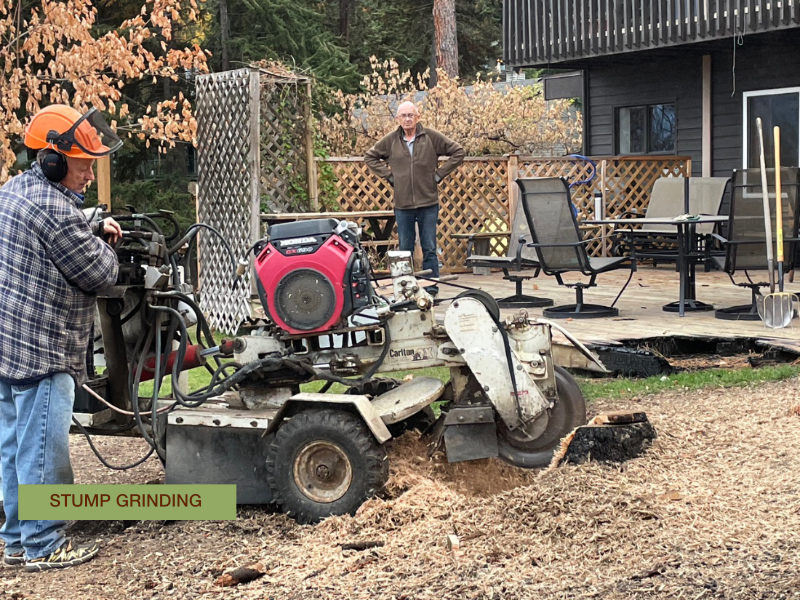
[480, 195]
[538, 32]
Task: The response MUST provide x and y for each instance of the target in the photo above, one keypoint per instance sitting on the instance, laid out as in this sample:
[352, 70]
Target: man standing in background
[408, 158]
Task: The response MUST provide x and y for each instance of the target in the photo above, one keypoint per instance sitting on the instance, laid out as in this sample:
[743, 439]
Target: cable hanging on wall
[738, 40]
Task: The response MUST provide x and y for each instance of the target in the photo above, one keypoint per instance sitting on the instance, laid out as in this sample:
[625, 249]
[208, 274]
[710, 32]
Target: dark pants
[428, 218]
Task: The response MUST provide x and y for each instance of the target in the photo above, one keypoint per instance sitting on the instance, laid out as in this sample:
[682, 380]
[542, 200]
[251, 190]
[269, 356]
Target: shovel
[776, 309]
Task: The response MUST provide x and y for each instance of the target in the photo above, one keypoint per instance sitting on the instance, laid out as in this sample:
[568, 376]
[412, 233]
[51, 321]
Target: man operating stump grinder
[51, 264]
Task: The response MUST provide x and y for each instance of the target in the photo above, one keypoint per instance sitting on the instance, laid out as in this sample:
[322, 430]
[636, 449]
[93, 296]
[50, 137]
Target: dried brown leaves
[54, 51]
[485, 119]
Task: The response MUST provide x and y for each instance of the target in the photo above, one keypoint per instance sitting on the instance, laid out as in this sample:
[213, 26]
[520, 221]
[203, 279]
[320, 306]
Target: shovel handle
[776, 135]
[765, 201]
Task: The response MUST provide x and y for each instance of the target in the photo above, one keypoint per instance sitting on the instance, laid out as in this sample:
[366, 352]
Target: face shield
[90, 136]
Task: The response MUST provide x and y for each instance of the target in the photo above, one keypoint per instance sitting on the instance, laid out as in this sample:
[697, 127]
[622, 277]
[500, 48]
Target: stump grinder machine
[314, 454]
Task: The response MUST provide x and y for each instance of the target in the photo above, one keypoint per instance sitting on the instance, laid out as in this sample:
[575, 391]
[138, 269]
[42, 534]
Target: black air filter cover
[305, 299]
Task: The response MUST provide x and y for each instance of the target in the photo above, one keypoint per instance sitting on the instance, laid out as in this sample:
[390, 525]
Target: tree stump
[610, 437]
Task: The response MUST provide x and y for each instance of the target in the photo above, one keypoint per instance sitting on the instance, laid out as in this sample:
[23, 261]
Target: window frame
[648, 106]
[767, 135]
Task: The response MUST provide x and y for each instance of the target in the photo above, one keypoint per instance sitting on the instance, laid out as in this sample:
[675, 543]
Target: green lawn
[690, 380]
[593, 388]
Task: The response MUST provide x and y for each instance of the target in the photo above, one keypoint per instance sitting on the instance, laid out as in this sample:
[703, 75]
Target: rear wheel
[568, 413]
[324, 462]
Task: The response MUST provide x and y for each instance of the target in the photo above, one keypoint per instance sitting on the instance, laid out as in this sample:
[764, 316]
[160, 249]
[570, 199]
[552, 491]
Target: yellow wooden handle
[776, 134]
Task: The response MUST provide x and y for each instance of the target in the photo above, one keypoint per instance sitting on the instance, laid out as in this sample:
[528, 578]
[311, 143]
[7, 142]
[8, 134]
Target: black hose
[202, 324]
[103, 460]
[134, 389]
[140, 217]
[160, 450]
[193, 231]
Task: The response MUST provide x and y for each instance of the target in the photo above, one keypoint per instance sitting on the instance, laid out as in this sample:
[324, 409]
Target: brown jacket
[414, 178]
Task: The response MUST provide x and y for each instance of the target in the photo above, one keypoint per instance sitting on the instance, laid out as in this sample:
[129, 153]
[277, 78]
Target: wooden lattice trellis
[480, 195]
[254, 149]
[227, 190]
[286, 145]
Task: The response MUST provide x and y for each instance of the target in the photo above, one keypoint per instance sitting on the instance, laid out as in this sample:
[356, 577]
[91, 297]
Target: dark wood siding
[544, 33]
[640, 81]
[764, 61]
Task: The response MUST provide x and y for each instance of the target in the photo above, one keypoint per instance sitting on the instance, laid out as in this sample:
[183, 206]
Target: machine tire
[324, 462]
[568, 413]
[485, 298]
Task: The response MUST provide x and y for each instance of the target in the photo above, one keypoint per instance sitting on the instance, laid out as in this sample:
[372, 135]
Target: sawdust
[712, 510]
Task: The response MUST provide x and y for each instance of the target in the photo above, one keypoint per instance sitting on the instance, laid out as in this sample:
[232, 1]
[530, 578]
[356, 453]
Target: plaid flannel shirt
[51, 265]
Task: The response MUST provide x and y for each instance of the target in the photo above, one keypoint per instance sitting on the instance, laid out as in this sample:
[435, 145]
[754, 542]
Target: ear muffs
[54, 165]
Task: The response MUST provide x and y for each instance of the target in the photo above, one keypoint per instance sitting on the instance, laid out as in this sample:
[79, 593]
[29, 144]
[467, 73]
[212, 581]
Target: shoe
[15, 559]
[68, 555]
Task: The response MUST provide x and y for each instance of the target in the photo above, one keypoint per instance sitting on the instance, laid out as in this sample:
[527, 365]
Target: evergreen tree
[403, 30]
[291, 31]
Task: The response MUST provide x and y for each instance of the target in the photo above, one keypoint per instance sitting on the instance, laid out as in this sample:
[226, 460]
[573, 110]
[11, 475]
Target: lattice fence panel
[476, 196]
[226, 192]
[283, 136]
[473, 198]
[482, 180]
[356, 188]
[625, 183]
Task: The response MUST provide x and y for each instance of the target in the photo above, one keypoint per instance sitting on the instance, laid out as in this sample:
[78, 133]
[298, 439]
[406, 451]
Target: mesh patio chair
[667, 200]
[519, 257]
[744, 245]
[561, 247]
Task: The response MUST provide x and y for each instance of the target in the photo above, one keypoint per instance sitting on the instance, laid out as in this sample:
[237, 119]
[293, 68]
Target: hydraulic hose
[99, 456]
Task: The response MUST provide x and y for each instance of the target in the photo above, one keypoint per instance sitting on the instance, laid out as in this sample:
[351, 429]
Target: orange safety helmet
[66, 131]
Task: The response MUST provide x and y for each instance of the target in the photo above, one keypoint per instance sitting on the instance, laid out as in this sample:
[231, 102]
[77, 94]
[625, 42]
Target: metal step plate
[407, 399]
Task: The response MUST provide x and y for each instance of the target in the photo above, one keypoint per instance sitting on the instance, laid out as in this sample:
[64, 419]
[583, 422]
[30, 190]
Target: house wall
[762, 61]
[626, 82]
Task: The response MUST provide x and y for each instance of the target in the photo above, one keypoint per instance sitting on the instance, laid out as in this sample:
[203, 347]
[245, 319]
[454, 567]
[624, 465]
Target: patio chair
[744, 245]
[519, 257]
[561, 247]
[667, 199]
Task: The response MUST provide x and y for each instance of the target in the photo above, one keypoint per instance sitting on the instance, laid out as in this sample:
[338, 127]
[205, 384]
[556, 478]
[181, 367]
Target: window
[648, 129]
[779, 107]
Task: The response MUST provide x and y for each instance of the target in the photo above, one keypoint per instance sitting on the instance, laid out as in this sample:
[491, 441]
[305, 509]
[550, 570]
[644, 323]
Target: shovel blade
[776, 310]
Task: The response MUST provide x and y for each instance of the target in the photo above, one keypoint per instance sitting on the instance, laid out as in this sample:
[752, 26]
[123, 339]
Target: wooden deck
[641, 321]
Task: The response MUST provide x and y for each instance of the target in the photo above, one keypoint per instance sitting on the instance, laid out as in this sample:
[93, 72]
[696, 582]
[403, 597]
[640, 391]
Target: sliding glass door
[778, 107]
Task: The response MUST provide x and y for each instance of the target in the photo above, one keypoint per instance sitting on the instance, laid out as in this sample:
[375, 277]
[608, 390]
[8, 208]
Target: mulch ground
[712, 510]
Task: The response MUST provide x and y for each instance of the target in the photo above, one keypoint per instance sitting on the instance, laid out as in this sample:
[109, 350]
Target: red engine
[312, 275]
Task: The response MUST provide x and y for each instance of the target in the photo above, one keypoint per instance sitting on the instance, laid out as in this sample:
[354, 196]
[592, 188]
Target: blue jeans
[34, 447]
[428, 219]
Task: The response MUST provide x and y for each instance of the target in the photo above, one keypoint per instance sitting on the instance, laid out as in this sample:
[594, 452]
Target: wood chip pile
[712, 510]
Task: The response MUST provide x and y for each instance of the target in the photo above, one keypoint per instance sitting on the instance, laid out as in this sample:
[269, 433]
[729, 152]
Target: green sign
[127, 502]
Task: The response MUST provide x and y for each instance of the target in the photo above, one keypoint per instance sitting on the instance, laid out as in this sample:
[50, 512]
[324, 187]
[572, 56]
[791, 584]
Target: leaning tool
[778, 307]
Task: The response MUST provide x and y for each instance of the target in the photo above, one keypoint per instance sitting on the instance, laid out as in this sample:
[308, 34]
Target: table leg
[481, 246]
[687, 240]
[381, 228]
[381, 232]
